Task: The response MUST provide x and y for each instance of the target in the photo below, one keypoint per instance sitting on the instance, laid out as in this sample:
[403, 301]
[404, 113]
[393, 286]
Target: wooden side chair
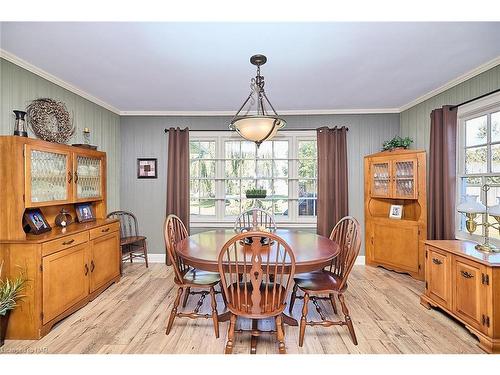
[131, 243]
[331, 281]
[186, 277]
[254, 219]
[246, 263]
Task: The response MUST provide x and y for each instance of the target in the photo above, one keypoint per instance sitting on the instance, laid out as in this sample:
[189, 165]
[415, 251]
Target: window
[479, 163]
[224, 167]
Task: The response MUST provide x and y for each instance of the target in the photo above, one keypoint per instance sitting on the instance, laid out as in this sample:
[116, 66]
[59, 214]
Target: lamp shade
[495, 210]
[471, 205]
[258, 128]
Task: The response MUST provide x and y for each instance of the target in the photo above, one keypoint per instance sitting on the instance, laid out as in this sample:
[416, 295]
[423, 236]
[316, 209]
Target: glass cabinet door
[381, 179]
[405, 172]
[47, 177]
[88, 177]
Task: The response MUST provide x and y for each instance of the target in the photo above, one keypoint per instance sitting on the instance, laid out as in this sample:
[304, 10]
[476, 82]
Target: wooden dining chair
[331, 281]
[186, 277]
[246, 263]
[254, 219]
[131, 243]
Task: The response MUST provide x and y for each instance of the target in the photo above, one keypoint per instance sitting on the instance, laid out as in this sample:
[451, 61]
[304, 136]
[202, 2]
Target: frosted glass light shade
[471, 205]
[258, 128]
[495, 210]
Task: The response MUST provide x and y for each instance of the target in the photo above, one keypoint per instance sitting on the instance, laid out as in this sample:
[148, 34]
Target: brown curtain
[442, 174]
[178, 175]
[332, 178]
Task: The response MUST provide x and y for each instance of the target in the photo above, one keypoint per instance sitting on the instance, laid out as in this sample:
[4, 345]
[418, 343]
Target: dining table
[312, 252]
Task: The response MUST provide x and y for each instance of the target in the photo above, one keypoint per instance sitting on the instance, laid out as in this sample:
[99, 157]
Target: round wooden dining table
[312, 252]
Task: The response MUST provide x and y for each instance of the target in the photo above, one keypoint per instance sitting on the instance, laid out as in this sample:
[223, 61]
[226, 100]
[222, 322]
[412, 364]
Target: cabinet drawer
[64, 243]
[105, 229]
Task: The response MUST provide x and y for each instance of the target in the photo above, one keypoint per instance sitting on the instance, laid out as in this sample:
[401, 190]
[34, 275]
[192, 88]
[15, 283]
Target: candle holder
[20, 124]
[471, 208]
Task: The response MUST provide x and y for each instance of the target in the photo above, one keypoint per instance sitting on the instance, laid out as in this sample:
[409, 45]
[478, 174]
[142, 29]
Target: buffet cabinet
[396, 178]
[465, 283]
[65, 267]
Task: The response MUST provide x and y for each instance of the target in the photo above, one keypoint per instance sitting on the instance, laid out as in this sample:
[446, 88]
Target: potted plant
[10, 294]
[256, 193]
[397, 143]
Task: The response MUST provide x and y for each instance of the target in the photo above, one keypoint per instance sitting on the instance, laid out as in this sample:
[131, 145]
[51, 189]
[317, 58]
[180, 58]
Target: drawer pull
[76, 177]
[68, 242]
[86, 269]
[437, 261]
[92, 266]
[70, 177]
[466, 274]
[105, 230]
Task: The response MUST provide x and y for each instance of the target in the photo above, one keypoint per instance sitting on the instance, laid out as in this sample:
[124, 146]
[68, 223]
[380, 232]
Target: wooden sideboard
[65, 267]
[396, 178]
[465, 283]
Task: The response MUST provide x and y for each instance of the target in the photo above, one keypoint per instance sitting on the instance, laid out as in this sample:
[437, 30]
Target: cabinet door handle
[70, 177]
[86, 269]
[68, 242]
[76, 177]
[105, 230]
[437, 261]
[92, 266]
[466, 274]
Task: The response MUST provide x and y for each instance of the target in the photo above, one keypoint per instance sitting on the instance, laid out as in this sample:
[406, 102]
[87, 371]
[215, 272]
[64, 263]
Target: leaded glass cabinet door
[405, 179]
[47, 176]
[381, 179]
[88, 177]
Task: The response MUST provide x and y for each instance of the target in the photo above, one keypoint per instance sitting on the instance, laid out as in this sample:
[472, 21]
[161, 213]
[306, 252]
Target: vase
[4, 320]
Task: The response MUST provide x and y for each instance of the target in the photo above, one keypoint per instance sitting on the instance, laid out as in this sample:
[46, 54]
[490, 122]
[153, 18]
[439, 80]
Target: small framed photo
[396, 211]
[84, 212]
[147, 168]
[36, 221]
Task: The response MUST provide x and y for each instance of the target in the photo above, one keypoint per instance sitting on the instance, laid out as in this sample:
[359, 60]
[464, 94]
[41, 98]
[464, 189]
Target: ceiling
[202, 67]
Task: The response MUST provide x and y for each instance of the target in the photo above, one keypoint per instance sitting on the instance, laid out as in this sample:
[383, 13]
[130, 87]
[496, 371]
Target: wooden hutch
[66, 268]
[396, 178]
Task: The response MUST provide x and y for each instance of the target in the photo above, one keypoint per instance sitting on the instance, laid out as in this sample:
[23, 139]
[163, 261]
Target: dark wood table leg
[253, 343]
[289, 320]
[224, 317]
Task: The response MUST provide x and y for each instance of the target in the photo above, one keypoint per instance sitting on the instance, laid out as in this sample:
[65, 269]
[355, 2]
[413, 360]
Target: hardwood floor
[130, 317]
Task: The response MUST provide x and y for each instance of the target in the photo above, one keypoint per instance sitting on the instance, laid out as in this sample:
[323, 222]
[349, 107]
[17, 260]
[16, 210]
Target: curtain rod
[289, 129]
[476, 98]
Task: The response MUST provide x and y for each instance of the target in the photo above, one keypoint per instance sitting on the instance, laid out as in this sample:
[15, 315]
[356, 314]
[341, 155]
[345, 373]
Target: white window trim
[293, 137]
[466, 112]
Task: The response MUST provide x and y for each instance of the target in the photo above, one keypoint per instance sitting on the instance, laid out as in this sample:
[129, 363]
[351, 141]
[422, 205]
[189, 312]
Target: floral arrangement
[397, 142]
[256, 193]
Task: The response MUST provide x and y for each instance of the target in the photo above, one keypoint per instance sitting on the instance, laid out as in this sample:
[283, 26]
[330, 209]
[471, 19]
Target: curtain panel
[178, 175]
[442, 174]
[332, 178]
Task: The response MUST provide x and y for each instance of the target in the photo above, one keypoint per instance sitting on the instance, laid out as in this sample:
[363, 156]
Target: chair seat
[198, 277]
[131, 240]
[318, 281]
[246, 303]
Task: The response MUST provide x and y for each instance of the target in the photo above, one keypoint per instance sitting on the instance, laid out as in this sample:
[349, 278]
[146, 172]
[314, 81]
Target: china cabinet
[66, 267]
[396, 178]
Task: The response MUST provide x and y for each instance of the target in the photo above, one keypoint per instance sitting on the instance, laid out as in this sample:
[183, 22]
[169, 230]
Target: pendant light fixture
[264, 124]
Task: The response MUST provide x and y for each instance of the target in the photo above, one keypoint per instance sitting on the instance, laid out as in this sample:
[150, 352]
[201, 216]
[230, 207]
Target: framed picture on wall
[147, 168]
[396, 211]
[36, 221]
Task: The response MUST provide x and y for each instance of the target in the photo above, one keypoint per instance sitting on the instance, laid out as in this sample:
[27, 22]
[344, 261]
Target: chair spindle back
[254, 219]
[128, 223]
[256, 275]
[175, 232]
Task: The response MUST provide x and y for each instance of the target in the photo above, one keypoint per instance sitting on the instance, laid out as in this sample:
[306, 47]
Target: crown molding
[454, 82]
[51, 78]
[284, 112]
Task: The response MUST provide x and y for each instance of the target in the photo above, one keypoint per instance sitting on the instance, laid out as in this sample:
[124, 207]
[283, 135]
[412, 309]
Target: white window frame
[219, 220]
[477, 108]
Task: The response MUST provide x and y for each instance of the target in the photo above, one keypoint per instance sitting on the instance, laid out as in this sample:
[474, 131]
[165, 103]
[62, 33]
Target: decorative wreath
[50, 120]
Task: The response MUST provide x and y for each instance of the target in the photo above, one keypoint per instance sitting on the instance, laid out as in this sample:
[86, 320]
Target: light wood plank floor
[130, 317]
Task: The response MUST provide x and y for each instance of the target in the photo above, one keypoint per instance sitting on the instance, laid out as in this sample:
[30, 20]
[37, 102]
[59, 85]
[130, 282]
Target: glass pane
[475, 131]
[405, 188]
[280, 149]
[307, 150]
[48, 176]
[280, 168]
[207, 150]
[246, 185]
[307, 207]
[232, 149]
[232, 168]
[232, 188]
[194, 150]
[380, 171]
[248, 169]
[247, 204]
[232, 207]
[89, 177]
[404, 169]
[470, 186]
[248, 150]
[207, 207]
[194, 171]
[194, 188]
[266, 205]
[194, 206]
[475, 160]
[265, 184]
[495, 127]
[495, 158]
[264, 168]
[207, 188]
[307, 188]
[265, 151]
[307, 168]
[280, 189]
[207, 168]
[280, 207]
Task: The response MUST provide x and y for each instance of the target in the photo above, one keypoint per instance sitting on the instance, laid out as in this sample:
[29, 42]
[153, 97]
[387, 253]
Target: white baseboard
[160, 258]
